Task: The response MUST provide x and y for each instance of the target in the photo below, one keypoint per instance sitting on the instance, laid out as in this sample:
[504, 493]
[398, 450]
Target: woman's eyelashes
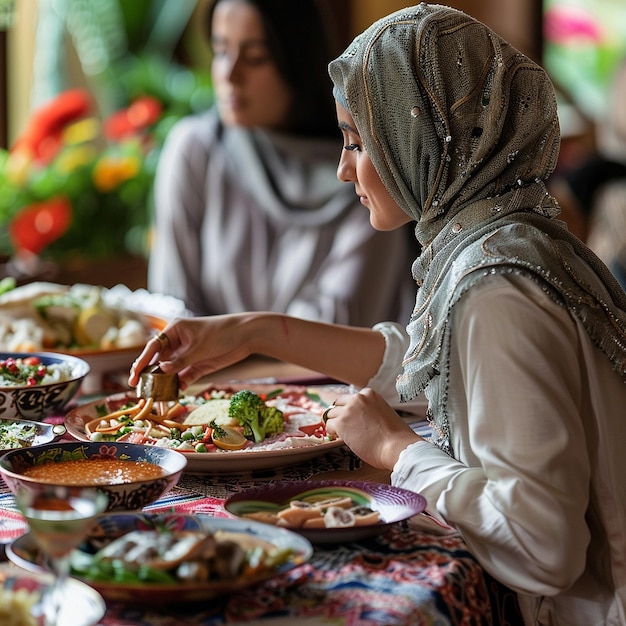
[352, 147]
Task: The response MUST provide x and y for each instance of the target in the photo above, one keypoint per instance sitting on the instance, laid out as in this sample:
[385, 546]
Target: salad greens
[16, 435]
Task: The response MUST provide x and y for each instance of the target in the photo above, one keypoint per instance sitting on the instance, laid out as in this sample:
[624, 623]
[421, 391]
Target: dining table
[416, 572]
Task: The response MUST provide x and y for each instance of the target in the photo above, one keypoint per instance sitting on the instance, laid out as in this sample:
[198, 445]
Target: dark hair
[302, 41]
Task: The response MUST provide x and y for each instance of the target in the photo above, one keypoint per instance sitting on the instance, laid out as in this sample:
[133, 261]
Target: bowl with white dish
[36, 385]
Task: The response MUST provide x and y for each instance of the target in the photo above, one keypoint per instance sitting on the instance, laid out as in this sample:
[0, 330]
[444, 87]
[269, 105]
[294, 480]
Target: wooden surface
[260, 369]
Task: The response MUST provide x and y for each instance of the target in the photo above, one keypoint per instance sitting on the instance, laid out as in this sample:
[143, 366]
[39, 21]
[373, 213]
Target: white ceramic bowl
[37, 402]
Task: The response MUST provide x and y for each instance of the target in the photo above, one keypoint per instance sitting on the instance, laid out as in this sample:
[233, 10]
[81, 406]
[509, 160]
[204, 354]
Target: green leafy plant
[78, 181]
[74, 185]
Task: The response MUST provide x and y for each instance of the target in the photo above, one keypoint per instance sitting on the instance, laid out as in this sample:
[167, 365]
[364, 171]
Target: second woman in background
[249, 212]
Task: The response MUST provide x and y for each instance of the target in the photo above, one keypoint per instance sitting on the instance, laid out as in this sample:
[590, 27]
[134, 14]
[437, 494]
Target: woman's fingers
[184, 347]
[142, 361]
[370, 427]
[162, 344]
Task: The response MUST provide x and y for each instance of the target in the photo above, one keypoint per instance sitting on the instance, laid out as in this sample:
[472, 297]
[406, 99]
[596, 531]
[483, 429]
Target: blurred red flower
[69, 171]
[39, 224]
[565, 23]
[41, 138]
[142, 113]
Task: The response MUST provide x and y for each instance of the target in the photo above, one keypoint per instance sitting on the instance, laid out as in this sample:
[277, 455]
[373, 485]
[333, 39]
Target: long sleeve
[179, 200]
[518, 489]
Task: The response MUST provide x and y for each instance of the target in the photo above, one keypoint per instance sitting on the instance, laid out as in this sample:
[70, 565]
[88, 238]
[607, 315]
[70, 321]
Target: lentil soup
[94, 472]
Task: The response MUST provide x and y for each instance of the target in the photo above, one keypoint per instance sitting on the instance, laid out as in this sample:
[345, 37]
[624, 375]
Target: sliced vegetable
[228, 438]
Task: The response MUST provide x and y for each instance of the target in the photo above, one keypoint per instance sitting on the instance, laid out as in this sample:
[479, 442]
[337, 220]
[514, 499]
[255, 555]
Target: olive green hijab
[463, 131]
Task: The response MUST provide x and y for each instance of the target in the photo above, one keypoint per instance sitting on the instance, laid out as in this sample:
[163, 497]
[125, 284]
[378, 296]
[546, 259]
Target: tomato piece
[312, 429]
[31, 360]
[134, 437]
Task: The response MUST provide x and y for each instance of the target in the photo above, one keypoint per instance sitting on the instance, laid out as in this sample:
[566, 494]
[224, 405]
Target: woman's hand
[194, 347]
[370, 428]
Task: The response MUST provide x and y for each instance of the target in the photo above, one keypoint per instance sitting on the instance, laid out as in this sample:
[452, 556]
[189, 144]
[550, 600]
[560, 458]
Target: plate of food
[172, 558]
[22, 594]
[224, 428]
[19, 433]
[328, 511]
[105, 327]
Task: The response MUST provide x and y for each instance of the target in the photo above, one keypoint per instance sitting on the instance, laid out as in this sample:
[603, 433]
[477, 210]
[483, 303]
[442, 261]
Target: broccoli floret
[245, 406]
[258, 419]
[272, 420]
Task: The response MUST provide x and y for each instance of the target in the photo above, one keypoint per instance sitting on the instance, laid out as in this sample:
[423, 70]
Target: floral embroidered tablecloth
[414, 573]
[401, 577]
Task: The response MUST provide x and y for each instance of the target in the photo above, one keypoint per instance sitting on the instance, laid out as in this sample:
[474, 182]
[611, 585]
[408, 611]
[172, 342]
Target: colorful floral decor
[73, 184]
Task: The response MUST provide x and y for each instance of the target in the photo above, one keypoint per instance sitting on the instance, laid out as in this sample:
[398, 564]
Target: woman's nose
[229, 67]
[234, 70]
[345, 169]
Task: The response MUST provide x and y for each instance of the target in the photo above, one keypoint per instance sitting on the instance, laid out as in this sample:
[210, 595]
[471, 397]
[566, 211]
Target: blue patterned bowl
[37, 402]
[131, 496]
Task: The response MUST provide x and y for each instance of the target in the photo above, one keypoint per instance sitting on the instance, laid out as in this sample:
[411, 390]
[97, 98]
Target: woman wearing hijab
[518, 336]
[249, 212]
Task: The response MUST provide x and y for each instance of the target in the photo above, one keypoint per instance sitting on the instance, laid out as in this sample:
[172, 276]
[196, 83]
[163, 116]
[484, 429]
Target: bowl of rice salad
[35, 385]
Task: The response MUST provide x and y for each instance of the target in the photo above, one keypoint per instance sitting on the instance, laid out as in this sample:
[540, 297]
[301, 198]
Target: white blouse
[538, 427]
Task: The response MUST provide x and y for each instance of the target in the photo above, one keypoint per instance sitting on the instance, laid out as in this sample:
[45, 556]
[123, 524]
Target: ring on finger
[325, 413]
[162, 338]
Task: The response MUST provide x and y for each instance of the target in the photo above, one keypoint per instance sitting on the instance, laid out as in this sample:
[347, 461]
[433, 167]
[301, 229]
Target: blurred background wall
[515, 20]
[585, 39]
[121, 50]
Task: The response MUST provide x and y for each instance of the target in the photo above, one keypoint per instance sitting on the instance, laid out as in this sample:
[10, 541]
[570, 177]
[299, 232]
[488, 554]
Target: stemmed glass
[59, 519]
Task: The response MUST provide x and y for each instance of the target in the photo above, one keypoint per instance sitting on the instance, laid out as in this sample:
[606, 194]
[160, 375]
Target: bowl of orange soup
[132, 475]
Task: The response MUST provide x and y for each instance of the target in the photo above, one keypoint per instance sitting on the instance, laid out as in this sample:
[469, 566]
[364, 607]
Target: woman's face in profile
[356, 167]
[249, 90]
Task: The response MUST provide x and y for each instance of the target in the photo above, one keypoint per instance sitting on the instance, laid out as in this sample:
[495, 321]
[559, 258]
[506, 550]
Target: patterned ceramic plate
[283, 453]
[391, 503]
[23, 552]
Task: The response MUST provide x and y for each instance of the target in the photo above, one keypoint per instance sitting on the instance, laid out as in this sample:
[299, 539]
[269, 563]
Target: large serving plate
[81, 605]
[23, 552]
[43, 432]
[392, 503]
[230, 460]
[153, 310]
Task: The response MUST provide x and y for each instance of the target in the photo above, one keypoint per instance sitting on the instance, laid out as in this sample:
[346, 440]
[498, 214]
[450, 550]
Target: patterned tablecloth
[416, 572]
